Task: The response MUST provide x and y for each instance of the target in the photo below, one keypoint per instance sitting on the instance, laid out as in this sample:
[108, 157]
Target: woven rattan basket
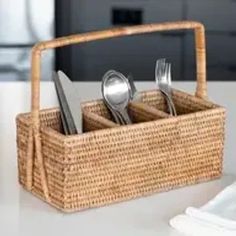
[110, 163]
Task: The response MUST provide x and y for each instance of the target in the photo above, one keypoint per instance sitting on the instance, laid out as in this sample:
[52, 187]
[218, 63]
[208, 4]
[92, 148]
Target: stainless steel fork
[169, 89]
[163, 81]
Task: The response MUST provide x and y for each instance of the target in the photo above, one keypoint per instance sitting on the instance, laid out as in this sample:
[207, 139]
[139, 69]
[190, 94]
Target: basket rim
[212, 108]
[156, 91]
[69, 138]
[142, 93]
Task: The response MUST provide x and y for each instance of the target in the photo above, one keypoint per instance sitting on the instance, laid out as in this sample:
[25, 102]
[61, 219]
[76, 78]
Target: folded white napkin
[217, 217]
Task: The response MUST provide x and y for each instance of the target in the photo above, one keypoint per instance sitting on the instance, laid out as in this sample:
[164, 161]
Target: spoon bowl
[116, 92]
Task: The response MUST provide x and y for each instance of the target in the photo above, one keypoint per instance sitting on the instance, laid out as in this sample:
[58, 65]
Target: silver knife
[59, 95]
[71, 103]
[69, 123]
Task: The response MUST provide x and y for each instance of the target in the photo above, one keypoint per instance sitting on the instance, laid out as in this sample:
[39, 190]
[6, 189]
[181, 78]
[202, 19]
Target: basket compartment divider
[141, 112]
[93, 121]
[96, 116]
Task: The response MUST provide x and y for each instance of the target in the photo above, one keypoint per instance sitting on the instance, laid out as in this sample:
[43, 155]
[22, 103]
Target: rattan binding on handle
[34, 135]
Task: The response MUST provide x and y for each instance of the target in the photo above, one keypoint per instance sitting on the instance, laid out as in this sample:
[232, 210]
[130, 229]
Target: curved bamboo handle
[201, 89]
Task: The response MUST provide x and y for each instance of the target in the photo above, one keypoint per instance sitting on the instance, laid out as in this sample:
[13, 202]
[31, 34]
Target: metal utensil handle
[114, 115]
[125, 116]
[116, 118]
[34, 133]
[122, 121]
[172, 106]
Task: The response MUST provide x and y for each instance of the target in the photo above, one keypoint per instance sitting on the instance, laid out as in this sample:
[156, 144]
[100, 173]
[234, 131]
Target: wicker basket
[110, 163]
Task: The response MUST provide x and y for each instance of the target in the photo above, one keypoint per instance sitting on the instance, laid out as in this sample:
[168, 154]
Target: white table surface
[21, 214]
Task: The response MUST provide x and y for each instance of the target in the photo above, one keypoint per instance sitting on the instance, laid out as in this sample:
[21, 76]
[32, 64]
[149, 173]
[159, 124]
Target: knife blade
[71, 103]
[69, 124]
[63, 117]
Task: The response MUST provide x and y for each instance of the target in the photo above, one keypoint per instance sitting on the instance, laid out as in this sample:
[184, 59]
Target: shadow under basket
[111, 163]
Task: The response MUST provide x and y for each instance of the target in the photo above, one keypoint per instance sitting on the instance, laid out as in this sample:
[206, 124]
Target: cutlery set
[117, 92]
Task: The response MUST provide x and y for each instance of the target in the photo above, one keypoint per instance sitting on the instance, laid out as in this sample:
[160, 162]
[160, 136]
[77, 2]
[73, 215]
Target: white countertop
[21, 214]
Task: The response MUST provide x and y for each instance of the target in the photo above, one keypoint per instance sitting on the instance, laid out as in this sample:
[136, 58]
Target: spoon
[116, 92]
[118, 119]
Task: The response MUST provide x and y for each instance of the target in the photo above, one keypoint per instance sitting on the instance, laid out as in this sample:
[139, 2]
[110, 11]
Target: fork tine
[160, 62]
[163, 68]
[165, 73]
[169, 74]
[159, 69]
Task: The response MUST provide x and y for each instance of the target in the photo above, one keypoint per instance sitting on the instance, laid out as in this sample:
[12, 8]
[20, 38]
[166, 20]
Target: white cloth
[217, 217]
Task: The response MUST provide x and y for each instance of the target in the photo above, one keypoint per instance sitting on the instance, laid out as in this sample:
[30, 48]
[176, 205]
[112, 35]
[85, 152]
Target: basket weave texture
[111, 163]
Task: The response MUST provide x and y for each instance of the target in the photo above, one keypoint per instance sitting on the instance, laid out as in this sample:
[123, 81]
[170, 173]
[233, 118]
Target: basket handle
[201, 89]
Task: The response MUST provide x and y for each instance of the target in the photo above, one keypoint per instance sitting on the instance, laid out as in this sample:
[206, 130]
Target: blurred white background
[22, 24]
